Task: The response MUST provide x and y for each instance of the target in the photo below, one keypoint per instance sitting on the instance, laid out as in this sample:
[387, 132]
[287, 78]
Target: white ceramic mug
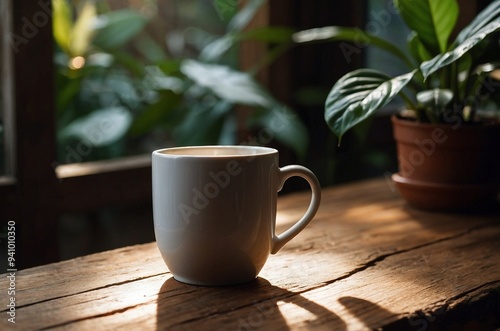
[215, 210]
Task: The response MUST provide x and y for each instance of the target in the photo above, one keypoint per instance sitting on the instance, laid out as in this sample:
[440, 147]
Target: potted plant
[448, 154]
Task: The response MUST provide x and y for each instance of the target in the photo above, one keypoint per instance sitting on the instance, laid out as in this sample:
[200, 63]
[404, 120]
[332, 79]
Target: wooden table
[366, 261]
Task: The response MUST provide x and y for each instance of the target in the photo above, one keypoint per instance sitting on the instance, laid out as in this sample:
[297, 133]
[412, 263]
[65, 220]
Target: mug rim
[189, 151]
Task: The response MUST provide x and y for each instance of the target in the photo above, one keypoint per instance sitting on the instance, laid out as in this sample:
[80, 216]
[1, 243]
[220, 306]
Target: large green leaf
[443, 60]
[164, 112]
[485, 17]
[203, 123]
[228, 84]
[417, 49]
[358, 37]
[150, 49]
[235, 87]
[357, 95]
[282, 124]
[83, 30]
[214, 50]
[101, 127]
[62, 23]
[118, 27]
[432, 20]
[128, 61]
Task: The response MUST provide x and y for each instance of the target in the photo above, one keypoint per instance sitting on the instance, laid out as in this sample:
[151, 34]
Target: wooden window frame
[35, 190]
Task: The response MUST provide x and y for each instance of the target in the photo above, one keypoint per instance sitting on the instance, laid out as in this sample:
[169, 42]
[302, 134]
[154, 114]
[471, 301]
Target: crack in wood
[89, 290]
[110, 313]
[382, 257]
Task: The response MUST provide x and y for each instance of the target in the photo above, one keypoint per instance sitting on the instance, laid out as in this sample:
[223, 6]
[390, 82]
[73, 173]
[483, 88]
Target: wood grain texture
[367, 261]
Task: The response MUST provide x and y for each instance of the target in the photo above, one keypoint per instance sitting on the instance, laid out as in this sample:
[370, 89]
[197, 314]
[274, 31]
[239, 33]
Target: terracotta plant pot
[447, 167]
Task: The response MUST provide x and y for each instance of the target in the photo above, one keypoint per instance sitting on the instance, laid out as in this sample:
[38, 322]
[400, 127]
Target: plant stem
[408, 102]
[453, 81]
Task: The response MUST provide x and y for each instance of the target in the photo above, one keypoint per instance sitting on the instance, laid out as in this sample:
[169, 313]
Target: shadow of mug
[370, 314]
[249, 306]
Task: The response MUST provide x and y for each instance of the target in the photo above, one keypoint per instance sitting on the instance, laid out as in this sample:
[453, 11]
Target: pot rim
[486, 123]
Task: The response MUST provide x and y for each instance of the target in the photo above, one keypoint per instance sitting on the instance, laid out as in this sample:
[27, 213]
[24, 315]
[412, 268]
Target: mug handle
[278, 241]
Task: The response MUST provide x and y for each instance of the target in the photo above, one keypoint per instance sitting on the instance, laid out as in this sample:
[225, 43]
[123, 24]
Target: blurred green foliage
[121, 91]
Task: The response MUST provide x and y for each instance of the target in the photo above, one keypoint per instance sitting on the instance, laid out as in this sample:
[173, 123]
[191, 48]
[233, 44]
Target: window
[118, 89]
[383, 21]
